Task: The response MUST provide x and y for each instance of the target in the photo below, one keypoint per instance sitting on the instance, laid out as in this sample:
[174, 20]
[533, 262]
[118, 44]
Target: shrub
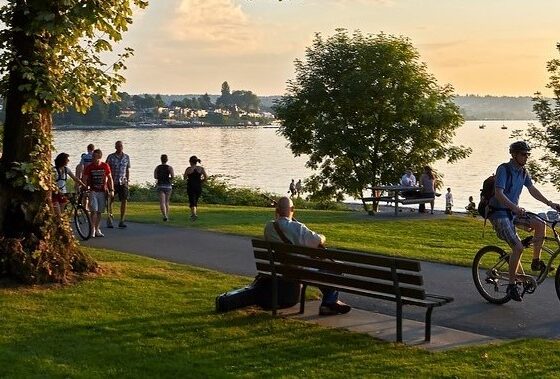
[217, 190]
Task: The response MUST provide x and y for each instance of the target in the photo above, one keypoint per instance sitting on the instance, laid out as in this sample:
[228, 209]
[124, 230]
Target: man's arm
[499, 193]
[540, 197]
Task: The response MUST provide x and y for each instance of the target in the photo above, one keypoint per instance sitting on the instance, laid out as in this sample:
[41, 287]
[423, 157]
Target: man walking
[120, 169]
[98, 179]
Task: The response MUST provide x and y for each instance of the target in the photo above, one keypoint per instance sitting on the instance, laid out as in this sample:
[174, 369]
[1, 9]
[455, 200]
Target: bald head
[284, 207]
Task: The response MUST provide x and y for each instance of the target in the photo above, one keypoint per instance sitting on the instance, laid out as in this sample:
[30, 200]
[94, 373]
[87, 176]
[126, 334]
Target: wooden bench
[387, 278]
[397, 200]
[419, 200]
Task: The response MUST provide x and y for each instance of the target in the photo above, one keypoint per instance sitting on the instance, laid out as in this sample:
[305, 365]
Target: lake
[260, 158]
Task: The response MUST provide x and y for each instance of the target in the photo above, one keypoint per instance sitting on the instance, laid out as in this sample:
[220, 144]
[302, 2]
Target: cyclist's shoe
[513, 292]
[527, 241]
[538, 265]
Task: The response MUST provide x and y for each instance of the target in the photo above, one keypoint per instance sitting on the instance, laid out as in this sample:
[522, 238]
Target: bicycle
[490, 268]
[80, 216]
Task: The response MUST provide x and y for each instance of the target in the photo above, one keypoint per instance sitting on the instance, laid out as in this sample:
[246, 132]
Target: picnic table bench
[393, 196]
[387, 278]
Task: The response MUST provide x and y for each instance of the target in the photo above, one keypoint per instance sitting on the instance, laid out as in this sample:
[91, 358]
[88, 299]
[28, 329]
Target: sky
[484, 47]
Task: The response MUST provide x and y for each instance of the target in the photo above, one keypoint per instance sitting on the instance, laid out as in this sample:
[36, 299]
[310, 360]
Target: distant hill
[496, 107]
[473, 107]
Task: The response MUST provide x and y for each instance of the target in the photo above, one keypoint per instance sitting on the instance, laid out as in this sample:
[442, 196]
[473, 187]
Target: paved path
[537, 316]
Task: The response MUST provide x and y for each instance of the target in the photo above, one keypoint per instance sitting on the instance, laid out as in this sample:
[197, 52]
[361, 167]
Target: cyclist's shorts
[505, 230]
[97, 201]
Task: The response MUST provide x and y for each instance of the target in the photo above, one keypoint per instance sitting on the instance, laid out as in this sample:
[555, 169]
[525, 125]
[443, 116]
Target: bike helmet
[519, 147]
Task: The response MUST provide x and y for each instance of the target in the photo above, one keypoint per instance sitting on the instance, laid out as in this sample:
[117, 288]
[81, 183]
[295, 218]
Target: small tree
[364, 109]
[547, 136]
[50, 59]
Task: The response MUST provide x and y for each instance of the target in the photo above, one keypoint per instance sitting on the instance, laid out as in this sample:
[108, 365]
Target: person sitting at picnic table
[284, 228]
[409, 180]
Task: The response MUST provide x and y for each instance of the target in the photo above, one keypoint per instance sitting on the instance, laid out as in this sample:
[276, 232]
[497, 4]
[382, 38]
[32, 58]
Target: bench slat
[341, 255]
[382, 273]
[336, 280]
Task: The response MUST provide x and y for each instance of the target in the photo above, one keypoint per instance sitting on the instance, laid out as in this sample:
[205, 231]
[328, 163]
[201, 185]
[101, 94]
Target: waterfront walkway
[469, 319]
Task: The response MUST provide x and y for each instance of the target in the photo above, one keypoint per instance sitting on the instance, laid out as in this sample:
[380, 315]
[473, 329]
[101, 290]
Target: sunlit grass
[451, 239]
[151, 319]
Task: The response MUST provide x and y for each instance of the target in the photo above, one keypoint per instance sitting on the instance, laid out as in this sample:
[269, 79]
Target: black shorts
[122, 191]
[194, 194]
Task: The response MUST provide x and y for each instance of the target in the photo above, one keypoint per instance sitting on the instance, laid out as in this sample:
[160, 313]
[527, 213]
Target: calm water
[259, 158]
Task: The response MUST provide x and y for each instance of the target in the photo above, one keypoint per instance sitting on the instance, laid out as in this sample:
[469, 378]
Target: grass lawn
[450, 239]
[145, 318]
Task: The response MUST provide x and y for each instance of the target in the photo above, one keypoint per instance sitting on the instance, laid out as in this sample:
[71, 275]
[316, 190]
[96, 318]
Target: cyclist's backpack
[488, 191]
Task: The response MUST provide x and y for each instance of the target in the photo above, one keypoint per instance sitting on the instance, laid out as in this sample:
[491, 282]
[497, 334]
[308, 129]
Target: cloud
[212, 25]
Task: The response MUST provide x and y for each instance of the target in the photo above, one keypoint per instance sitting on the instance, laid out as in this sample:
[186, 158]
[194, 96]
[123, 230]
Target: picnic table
[394, 194]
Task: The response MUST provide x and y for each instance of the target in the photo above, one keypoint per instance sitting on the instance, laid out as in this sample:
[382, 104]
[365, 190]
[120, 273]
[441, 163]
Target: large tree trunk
[35, 245]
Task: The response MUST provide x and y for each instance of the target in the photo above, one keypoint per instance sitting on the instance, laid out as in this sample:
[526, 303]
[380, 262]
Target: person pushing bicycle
[506, 213]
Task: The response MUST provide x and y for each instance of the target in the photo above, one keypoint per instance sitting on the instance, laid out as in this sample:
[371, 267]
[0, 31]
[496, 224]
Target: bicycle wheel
[82, 222]
[557, 282]
[490, 272]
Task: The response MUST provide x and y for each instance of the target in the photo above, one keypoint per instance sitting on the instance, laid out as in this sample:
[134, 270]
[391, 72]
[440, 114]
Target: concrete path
[537, 316]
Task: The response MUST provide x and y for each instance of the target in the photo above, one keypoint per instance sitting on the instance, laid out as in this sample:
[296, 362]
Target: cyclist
[506, 214]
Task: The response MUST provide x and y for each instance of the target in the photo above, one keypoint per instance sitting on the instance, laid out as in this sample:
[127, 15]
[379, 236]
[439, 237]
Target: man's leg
[330, 305]
[505, 230]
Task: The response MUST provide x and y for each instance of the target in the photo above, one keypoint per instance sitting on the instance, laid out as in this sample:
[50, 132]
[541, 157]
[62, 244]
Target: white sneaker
[99, 234]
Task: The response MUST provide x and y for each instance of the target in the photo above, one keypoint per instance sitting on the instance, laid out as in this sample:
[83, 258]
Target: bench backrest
[348, 269]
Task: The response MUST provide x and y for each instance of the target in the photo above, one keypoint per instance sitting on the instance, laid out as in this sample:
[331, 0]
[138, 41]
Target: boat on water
[482, 126]
[504, 127]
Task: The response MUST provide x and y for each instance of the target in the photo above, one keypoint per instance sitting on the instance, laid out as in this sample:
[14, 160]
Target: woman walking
[428, 183]
[194, 175]
[61, 174]
[164, 175]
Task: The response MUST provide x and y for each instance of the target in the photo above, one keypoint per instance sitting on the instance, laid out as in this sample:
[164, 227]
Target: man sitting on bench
[288, 230]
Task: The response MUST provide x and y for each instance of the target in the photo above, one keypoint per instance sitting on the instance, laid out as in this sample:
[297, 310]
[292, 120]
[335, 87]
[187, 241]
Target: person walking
[299, 188]
[164, 174]
[195, 175]
[98, 179]
[120, 169]
[85, 159]
[292, 188]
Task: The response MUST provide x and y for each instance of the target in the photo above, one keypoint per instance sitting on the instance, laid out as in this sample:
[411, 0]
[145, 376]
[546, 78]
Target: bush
[217, 190]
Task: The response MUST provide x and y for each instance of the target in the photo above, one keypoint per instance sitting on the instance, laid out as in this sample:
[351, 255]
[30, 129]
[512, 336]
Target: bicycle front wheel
[490, 272]
[82, 222]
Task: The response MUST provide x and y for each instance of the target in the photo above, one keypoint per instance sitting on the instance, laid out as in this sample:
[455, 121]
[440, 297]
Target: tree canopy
[364, 109]
[547, 135]
[51, 58]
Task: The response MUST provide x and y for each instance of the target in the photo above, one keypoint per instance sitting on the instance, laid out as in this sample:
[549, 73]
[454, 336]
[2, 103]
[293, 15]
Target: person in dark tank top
[164, 175]
[195, 175]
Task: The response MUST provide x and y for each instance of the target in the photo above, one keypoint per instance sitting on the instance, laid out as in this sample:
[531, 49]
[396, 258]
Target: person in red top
[98, 179]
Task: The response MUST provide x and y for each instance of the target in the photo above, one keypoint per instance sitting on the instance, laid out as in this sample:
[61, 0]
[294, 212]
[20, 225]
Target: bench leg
[302, 299]
[399, 322]
[428, 324]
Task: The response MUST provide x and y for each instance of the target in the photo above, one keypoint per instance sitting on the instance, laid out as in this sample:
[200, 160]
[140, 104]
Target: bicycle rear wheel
[557, 282]
[490, 272]
[82, 222]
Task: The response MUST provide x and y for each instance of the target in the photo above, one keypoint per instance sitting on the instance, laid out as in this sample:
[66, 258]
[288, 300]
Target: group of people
[195, 175]
[295, 189]
[427, 187]
[103, 180]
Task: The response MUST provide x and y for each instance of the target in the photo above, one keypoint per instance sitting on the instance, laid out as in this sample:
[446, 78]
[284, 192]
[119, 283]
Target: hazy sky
[497, 47]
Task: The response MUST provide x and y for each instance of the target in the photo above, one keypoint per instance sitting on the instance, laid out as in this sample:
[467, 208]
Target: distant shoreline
[119, 127]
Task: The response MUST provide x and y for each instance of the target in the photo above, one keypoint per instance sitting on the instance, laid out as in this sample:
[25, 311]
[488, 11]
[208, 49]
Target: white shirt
[295, 231]
[449, 198]
[409, 181]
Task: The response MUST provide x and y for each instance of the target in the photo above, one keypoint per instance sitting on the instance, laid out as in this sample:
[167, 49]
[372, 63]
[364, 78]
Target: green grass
[452, 239]
[145, 318]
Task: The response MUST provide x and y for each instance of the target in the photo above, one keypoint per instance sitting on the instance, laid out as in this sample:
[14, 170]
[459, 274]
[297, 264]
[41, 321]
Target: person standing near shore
[194, 175]
[428, 182]
[164, 175]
